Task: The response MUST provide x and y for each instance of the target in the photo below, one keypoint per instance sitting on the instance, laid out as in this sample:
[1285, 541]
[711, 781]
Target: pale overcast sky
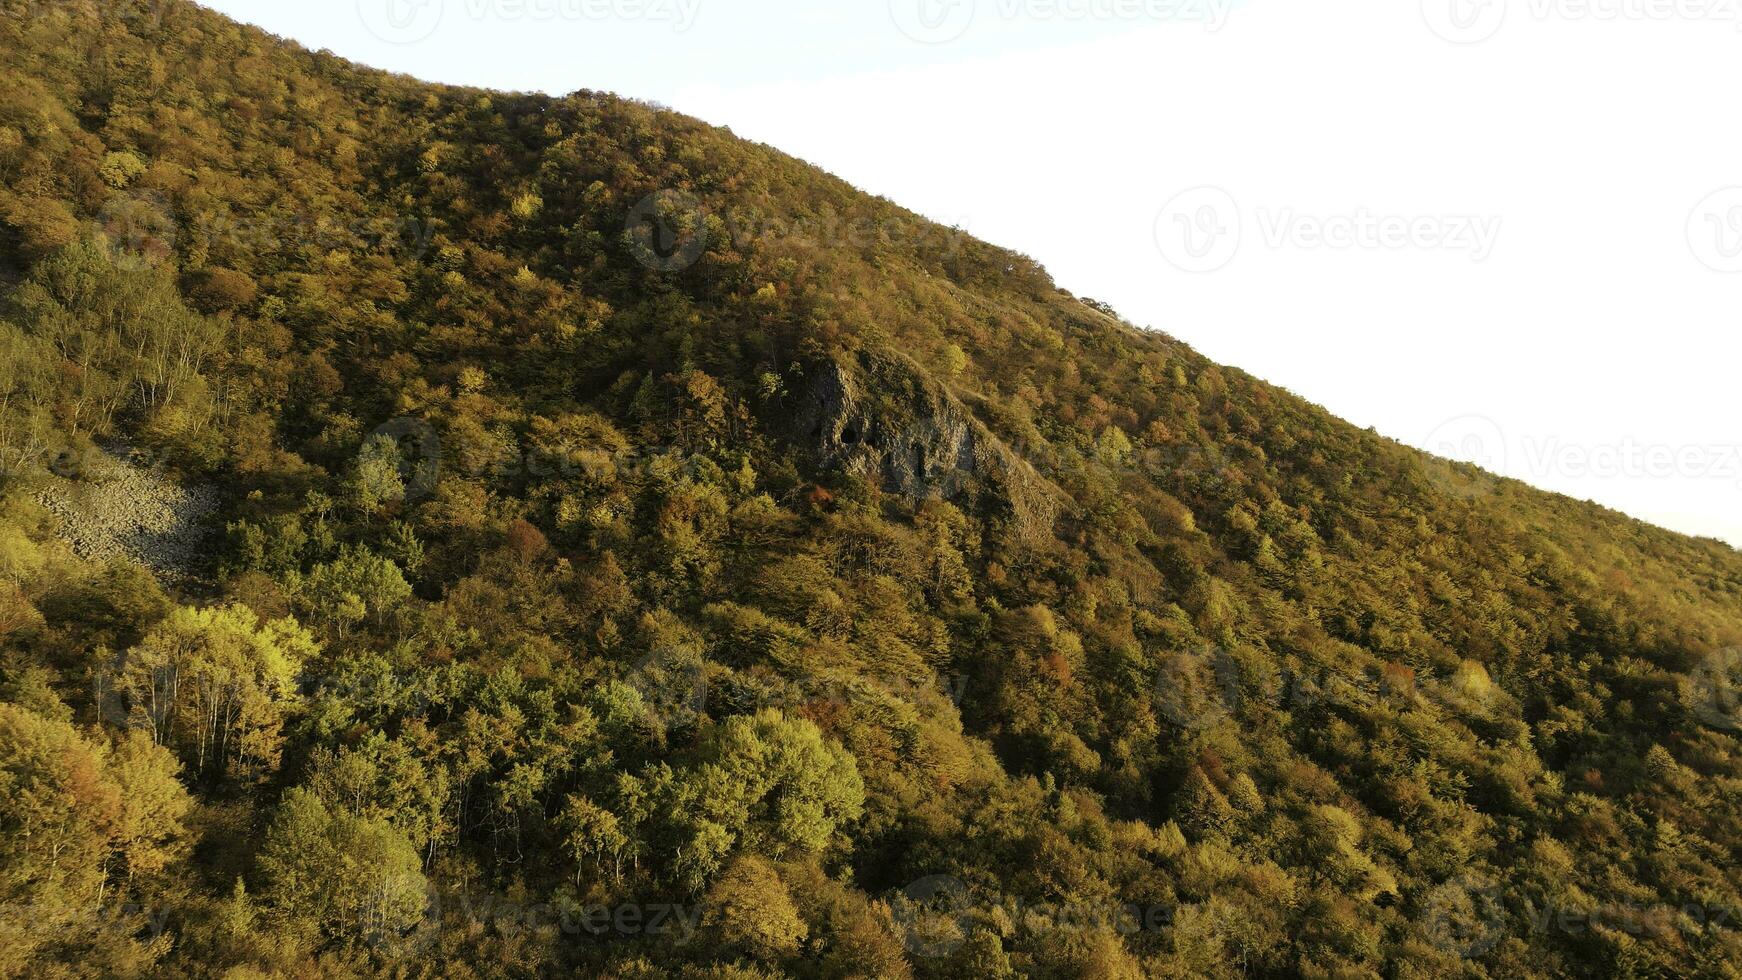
[1509, 230]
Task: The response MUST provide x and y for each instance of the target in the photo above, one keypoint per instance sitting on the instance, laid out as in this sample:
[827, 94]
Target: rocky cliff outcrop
[881, 418]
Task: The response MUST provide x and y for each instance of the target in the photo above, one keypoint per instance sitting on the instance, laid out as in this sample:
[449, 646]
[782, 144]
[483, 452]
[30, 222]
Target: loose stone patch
[119, 508]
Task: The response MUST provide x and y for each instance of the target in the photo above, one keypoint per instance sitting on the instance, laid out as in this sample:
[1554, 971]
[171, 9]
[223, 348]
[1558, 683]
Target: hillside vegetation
[642, 554]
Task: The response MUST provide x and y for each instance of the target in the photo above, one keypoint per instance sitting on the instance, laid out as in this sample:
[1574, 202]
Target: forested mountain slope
[641, 554]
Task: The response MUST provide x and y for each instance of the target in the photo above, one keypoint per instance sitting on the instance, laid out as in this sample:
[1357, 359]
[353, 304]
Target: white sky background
[1503, 246]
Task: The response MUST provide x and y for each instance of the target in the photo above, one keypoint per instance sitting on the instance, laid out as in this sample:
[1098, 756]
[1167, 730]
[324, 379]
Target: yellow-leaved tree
[78, 821]
[215, 685]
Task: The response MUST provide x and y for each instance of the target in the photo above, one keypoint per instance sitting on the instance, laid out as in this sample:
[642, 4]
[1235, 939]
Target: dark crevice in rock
[880, 417]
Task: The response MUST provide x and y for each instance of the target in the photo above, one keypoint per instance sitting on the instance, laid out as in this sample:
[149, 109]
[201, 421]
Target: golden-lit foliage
[818, 593]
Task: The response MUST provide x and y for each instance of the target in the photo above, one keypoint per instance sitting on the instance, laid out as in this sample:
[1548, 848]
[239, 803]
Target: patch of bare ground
[121, 507]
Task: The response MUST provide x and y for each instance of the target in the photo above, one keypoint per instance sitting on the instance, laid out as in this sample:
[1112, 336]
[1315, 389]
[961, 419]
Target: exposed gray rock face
[119, 508]
[881, 418]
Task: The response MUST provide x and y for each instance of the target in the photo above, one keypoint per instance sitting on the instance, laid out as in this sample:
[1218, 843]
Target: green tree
[795, 788]
[148, 834]
[71, 815]
[385, 779]
[357, 585]
[763, 784]
[215, 685]
[376, 480]
[356, 878]
[58, 810]
[750, 910]
[593, 833]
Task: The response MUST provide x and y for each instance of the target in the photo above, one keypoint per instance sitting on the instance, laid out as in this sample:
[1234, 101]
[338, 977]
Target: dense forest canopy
[638, 554]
